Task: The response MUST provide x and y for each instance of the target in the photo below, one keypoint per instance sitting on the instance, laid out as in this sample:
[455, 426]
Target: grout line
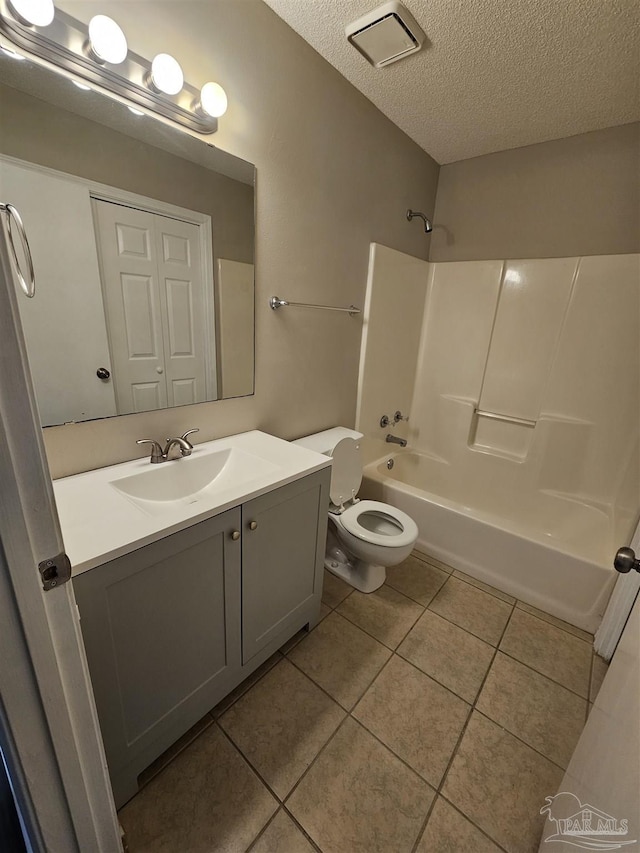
[324, 746]
[297, 823]
[486, 835]
[333, 698]
[508, 731]
[377, 639]
[469, 581]
[466, 725]
[589, 642]
[543, 674]
[249, 764]
[264, 829]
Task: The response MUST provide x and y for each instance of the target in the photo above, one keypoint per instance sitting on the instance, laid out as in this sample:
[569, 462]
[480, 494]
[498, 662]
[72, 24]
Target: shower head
[428, 227]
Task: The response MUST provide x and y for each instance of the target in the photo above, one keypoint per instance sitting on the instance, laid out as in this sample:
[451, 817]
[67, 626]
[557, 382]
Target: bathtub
[544, 548]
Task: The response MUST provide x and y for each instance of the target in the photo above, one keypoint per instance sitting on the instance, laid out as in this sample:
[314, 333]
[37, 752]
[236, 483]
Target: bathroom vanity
[181, 597]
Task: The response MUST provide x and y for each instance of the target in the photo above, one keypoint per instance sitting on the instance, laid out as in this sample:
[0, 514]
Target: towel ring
[28, 284]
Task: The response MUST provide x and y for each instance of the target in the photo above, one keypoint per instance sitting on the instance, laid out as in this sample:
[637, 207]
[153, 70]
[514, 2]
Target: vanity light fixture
[97, 57]
[33, 13]
[81, 86]
[166, 74]
[135, 111]
[107, 42]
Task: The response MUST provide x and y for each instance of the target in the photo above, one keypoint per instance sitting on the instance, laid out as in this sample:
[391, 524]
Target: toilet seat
[379, 524]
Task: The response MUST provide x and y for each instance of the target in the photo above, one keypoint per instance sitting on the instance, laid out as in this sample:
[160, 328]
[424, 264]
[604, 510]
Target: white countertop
[100, 523]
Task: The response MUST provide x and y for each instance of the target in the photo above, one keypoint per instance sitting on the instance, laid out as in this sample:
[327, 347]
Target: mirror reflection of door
[157, 307]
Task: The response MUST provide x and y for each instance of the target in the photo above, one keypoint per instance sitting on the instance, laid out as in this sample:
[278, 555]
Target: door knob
[253, 525]
[103, 373]
[625, 561]
[235, 535]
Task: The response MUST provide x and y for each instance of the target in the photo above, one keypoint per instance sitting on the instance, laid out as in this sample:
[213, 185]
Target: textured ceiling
[494, 74]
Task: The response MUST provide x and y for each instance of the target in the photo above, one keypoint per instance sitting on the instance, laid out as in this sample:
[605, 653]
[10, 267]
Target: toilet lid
[379, 524]
[346, 471]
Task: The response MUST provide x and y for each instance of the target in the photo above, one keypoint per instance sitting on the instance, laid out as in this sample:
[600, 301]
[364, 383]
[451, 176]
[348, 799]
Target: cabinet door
[162, 633]
[283, 543]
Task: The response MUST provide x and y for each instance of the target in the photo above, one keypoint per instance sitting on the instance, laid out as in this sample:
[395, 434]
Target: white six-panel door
[155, 306]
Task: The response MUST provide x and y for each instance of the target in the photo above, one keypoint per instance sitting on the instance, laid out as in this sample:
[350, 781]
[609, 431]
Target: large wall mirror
[143, 246]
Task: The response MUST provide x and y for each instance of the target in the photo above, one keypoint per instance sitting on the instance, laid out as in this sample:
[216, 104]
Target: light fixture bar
[62, 43]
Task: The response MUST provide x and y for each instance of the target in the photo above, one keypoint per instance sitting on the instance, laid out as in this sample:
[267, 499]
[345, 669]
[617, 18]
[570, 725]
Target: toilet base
[366, 577]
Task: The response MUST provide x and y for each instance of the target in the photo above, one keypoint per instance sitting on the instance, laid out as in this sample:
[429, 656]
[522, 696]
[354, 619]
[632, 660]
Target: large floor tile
[416, 717]
[455, 658]
[416, 579]
[540, 712]
[498, 593]
[553, 620]
[472, 609]
[282, 836]
[500, 784]
[334, 590]
[281, 724]
[550, 650]
[341, 658]
[207, 800]
[450, 832]
[358, 797]
[385, 614]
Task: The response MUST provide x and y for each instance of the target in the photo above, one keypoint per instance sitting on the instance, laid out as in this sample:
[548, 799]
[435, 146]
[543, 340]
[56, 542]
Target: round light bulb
[166, 74]
[213, 100]
[107, 41]
[35, 13]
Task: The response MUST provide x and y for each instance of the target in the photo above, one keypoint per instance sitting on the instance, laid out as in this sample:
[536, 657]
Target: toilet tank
[343, 445]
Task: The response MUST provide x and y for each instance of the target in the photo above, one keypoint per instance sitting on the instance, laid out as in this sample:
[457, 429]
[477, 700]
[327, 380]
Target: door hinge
[55, 571]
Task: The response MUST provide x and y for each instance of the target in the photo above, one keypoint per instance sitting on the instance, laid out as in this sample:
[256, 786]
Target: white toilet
[363, 537]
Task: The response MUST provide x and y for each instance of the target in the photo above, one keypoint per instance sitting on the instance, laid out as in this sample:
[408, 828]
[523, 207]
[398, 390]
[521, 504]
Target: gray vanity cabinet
[161, 628]
[172, 628]
[283, 543]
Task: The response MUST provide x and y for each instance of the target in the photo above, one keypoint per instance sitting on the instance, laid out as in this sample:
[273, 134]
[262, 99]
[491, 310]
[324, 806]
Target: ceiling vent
[387, 34]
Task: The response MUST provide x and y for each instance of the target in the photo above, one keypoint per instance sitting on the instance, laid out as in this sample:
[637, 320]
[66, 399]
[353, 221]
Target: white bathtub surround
[523, 429]
[393, 311]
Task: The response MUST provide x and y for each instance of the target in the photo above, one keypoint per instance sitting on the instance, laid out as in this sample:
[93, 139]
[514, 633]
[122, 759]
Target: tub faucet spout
[394, 439]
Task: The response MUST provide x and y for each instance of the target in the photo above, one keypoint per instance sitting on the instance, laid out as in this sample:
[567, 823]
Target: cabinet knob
[235, 535]
[253, 525]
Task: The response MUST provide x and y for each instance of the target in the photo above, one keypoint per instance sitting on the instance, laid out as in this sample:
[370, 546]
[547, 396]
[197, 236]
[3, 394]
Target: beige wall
[576, 196]
[333, 175]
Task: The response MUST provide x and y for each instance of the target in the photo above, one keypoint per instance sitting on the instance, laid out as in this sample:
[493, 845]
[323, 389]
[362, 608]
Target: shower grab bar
[507, 418]
[28, 286]
[275, 302]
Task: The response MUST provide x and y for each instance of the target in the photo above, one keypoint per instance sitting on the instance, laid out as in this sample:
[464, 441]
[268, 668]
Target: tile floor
[432, 716]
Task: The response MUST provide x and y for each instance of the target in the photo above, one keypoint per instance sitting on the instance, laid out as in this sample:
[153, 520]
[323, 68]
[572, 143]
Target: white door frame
[45, 693]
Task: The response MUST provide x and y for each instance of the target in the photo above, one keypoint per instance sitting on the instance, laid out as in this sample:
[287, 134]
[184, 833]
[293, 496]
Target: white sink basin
[112, 511]
[161, 487]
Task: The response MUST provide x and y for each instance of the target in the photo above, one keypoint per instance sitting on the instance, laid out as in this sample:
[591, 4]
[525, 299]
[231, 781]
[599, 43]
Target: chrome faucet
[160, 455]
[395, 439]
